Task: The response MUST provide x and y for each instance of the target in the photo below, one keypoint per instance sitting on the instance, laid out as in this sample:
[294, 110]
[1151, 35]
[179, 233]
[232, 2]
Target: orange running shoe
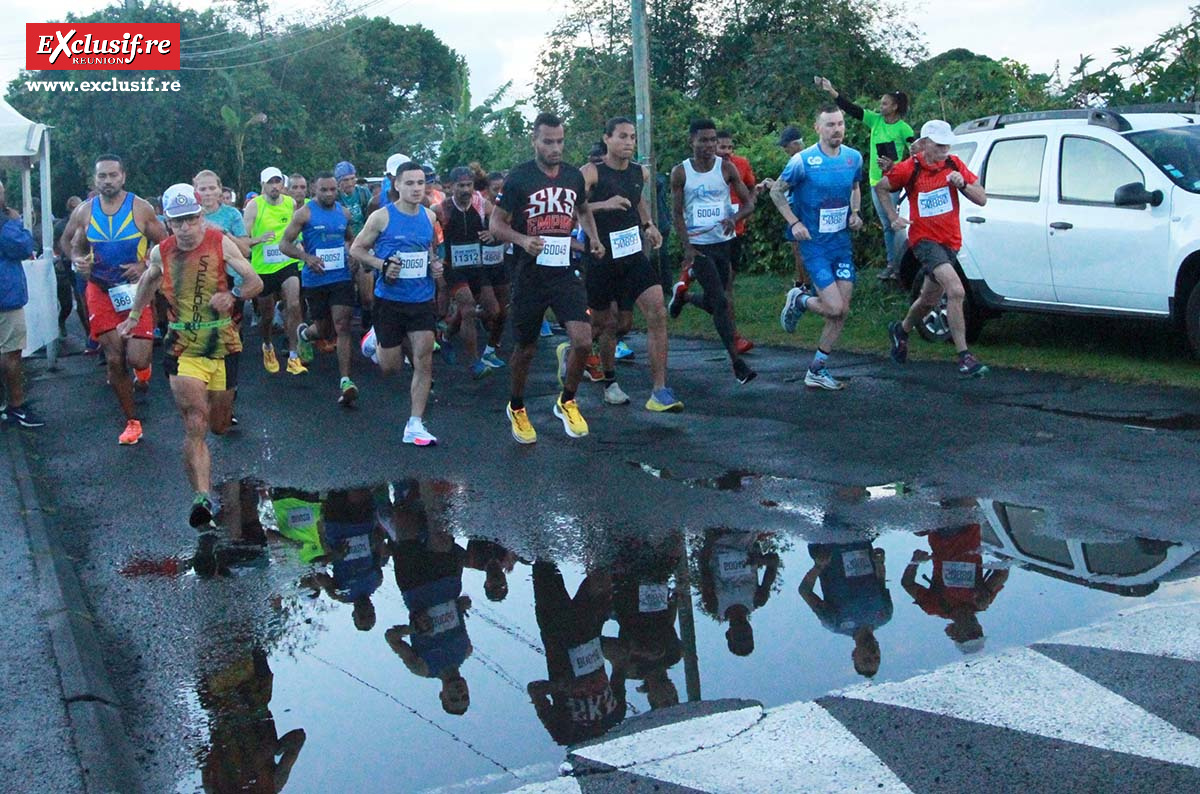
[132, 434]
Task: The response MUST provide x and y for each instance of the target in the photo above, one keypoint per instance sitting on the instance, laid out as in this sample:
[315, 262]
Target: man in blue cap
[356, 198]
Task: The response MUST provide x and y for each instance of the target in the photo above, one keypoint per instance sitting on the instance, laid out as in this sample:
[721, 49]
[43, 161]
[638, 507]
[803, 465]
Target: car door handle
[976, 219]
[1062, 225]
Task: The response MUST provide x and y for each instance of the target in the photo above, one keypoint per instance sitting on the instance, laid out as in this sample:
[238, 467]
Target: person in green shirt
[891, 136]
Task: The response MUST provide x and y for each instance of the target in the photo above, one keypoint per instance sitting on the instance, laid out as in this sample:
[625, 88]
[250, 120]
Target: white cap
[270, 173]
[939, 132]
[180, 200]
[395, 161]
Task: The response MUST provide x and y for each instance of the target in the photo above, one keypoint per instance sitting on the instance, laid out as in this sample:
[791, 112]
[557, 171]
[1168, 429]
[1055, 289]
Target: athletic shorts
[933, 255]
[102, 317]
[211, 371]
[536, 291]
[824, 269]
[322, 299]
[621, 280]
[394, 321]
[12, 330]
[497, 275]
[472, 278]
[273, 282]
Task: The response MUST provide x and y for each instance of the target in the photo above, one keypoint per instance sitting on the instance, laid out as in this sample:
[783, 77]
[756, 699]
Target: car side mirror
[1135, 195]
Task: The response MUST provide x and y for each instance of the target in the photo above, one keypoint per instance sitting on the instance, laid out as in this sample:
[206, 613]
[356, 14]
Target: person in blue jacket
[16, 245]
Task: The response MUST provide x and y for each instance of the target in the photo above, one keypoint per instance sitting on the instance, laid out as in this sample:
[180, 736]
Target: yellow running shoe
[294, 366]
[522, 430]
[572, 420]
[270, 363]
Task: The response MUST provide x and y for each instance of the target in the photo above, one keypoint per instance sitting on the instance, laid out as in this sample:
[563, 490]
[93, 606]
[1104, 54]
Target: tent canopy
[20, 138]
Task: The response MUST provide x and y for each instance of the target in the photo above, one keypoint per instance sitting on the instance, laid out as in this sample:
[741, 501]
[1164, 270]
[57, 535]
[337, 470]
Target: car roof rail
[1111, 117]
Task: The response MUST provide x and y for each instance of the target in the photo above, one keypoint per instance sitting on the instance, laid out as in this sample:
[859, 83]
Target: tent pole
[47, 225]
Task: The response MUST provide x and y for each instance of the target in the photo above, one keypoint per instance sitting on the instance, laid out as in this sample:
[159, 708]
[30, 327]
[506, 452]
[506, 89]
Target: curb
[94, 712]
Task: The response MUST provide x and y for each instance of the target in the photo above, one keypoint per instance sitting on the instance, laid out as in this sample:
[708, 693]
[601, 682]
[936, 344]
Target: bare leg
[518, 368]
[14, 378]
[580, 336]
[191, 397]
[422, 358]
[651, 304]
[118, 371]
[292, 313]
[342, 317]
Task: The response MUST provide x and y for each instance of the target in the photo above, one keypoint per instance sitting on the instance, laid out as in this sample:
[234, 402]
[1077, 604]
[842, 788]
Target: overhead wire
[274, 40]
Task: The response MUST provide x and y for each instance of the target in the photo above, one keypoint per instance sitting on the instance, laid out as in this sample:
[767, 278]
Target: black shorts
[473, 277]
[394, 320]
[622, 280]
[273, 282]
[496, 275]
[930, 256]
[536, 290]
[321, 299]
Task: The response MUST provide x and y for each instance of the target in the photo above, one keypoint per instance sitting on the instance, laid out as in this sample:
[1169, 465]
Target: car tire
[935, 325]
[1192, 320]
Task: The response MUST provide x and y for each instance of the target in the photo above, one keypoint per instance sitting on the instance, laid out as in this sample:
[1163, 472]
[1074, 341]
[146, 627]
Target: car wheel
[935, 325]
[1192, 320]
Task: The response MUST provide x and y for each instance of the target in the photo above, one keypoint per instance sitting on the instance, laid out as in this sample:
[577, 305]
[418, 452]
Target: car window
[964, 151]
[1014, 168]
[1090, 171]
[1124, 558]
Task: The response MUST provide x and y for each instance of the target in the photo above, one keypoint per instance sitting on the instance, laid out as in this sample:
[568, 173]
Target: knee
[955, 292]
[341, 326]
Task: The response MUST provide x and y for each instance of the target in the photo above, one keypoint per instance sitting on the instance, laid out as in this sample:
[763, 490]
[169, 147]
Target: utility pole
[641, 98]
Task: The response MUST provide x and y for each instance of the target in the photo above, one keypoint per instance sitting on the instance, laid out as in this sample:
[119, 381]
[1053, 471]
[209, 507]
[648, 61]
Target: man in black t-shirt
[536, 212]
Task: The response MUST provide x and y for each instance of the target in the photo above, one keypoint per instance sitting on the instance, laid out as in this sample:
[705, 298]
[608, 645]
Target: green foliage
[1167, 70]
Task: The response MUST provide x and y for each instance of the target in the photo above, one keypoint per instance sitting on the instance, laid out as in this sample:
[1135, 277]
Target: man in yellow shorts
[189, 268]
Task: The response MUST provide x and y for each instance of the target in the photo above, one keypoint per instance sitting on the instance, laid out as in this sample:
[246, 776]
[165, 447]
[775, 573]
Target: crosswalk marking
[673, 739]
[1025, 691]
[1159, 630]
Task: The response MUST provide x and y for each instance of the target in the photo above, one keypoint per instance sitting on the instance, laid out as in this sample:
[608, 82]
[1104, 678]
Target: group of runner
[424, 266]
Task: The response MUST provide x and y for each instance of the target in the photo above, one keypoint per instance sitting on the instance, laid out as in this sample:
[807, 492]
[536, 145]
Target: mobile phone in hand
[887, 149]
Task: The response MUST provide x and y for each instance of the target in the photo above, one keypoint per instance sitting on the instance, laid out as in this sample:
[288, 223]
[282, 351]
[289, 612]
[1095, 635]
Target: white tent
[22, 144]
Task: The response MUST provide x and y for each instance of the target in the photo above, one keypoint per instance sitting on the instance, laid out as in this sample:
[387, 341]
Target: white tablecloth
[41, 313]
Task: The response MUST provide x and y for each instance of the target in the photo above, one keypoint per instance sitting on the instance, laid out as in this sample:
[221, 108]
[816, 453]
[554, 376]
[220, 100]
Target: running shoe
[270, 362]
[592, 369]
[480, 369]
[449, 355]
[793, 309]
[742, 345]
[560, 353]
[899, 340]
[743, 373]
[678, 299]
[91, 347]
[572, 420]
[624, 351]
[304, 346]
[295, 367]
[821, 379]
[686, 276]
[613, 395]
[969, 366]
[349, 393]
[415, 433]
[201, 514]
[493, 361]
[546, 331]
[131, 434]
[522, 429]
[664, 400]
[888, 274]
[23, 417]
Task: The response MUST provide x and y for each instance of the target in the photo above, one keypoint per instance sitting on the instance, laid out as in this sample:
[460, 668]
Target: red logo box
[102, 45]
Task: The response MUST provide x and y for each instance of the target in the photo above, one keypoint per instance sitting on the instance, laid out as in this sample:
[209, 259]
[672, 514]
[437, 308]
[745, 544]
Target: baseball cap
[343, 169]
[939, 132]
[180, 200]
[430, 173]
[790, 134]
[394, 162]
[270, 173]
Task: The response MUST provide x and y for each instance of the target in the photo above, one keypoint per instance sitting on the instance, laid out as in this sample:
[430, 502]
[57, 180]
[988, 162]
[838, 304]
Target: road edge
[98, 732]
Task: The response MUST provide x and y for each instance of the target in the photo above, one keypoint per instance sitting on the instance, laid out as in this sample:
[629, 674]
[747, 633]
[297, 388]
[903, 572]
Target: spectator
[16, 245]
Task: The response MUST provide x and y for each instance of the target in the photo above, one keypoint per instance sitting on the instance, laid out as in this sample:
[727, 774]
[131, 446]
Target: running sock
[293, 354]
[487, 351]
[516, 403]
[819, 359]
[142, 375]
[610, 374]
[413, 423]
[567, 396]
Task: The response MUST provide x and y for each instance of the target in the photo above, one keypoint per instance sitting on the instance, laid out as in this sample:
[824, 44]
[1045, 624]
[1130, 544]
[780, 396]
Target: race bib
[556, 252]
[332, 258]
[958, 574]
[465, 255]
[734, 208]
[586, 659]
[857, 563]
[444, 617]
[625, 242]
[413, 264]
[358, 547]
[934, 203]
[735, 566]
[122, 296]
[652, 597]
[707, 213]
[493, 255]
[833, 220]
[272, 255]
[300, 517]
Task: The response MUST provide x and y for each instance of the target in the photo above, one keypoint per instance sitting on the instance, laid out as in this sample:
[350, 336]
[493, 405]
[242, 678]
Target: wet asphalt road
[1100, 459]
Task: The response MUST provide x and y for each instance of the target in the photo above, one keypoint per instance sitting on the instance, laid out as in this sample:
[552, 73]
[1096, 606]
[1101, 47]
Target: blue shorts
[824, 269]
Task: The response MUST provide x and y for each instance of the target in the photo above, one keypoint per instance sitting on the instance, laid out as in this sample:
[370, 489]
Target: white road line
[560, 785]
[1023, 690]
[1159, 630]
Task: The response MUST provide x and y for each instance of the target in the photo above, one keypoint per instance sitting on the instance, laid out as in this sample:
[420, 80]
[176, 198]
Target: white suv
[1089, 212]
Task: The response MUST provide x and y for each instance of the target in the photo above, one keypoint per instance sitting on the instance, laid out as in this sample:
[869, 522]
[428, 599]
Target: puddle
[403, 623]
[1132, 421]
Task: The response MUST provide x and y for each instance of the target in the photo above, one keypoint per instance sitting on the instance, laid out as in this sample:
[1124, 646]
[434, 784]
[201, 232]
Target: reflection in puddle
[401, 621]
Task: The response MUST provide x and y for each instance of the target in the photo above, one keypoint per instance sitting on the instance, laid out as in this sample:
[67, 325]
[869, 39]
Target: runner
[824, 208]
[16, 245]
[297, 188]
[495, 296]
[402, 234]
[71, 286]
[463, 225]
[111, 233]
[326, 279]
[792, 142]
[538, 205]
[705, 220]
[387, 192]
[356, 199]
[934, 178]
[266, 217]
[623, 276]
[854, 598]
[189, 268]
[736, 251]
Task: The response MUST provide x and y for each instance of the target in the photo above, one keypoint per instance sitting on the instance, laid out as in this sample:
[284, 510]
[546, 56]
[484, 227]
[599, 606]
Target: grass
[1121, 351]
